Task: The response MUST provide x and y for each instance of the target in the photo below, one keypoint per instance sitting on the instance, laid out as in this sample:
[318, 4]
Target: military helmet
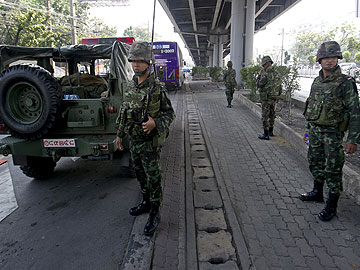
[229, 64]
[265, 60]
[141, 51]
[329, 49]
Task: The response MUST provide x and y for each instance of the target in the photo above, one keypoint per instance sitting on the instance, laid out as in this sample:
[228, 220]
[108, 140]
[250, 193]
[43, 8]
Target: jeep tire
[39, 167]
[30, 100]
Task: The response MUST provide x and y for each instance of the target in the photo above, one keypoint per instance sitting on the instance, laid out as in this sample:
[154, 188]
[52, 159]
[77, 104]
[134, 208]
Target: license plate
[59, 142]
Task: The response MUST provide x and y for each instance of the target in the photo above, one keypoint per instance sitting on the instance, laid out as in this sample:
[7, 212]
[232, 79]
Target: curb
[351, 178]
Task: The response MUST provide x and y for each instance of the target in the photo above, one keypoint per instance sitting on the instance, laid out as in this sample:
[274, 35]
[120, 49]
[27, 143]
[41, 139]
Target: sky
[313, 14]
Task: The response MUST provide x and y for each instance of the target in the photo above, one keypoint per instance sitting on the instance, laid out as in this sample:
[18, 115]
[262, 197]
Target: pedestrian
[145, 116]
[269, 85]
[230, 83]
[331, 108]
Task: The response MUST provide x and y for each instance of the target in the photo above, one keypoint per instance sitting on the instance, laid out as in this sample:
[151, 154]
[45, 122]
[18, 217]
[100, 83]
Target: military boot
[229, 105]
[265, 136]
[330, 208]
[271, 132]
[315, 195]
[143, 207]
[153, 220]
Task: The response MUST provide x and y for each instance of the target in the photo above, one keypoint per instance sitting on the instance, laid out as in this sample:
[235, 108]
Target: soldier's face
[328, 63]
[139, 66]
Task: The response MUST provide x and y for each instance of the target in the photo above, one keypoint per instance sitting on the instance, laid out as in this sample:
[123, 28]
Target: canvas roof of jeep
[117, 51]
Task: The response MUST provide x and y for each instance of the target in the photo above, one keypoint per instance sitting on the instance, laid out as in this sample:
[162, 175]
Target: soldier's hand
[118, 142]
[149, 125]
[350, 148]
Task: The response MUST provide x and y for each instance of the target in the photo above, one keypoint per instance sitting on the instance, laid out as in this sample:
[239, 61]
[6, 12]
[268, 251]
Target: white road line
[8, 202]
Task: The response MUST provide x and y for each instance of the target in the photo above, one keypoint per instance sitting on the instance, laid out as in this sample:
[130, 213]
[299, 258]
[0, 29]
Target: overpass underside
[211, 29]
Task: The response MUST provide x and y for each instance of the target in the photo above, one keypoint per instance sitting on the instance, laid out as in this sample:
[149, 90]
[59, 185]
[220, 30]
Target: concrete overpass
[211, 29]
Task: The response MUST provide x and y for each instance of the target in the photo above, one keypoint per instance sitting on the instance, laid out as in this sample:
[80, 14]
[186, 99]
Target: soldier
[331, 109]
[269, 85]
[145, 116]
[230, 83]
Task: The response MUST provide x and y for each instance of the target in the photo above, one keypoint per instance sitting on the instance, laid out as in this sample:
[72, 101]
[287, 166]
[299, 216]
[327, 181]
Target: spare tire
[30, 100]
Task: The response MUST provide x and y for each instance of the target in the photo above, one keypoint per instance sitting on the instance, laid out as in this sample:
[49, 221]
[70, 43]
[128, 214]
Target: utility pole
[48, 7]
[282, 47]
[73, 22]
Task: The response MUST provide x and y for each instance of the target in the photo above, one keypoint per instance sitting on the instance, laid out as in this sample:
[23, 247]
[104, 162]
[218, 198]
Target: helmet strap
[331, 69]
[143, 72]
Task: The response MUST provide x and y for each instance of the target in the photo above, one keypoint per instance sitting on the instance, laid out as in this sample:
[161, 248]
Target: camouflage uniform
[331, 99]
[230, 82]
[269, 86]
[145, 148]
[331, 108]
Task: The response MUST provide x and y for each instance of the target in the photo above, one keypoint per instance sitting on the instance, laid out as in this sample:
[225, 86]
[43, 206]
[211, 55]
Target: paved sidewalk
[258, 182]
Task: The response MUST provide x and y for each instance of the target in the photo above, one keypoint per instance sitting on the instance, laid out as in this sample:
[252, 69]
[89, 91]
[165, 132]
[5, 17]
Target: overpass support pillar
[241, 48]
[218, 45]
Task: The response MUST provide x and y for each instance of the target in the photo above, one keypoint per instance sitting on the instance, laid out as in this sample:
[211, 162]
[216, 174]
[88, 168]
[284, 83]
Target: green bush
[216, 73]
[248, 76]
[200, 71]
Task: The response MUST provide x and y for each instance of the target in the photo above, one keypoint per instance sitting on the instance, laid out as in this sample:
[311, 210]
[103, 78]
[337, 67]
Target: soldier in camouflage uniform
[331, 109]
[230, 83]
[269, 85]
[145, 116]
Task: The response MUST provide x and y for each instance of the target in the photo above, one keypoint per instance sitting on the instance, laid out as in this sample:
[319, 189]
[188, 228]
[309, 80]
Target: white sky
[318, 13]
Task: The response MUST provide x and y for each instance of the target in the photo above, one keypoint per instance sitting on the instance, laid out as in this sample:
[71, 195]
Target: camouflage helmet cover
[265, 60]
[141, 51]
[329, 49]
[229, 64]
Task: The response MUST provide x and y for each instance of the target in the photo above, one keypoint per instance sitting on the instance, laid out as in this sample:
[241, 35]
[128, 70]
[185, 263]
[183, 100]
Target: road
[76, 220]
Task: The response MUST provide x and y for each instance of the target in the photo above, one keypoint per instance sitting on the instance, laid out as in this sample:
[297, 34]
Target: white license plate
[59, 142]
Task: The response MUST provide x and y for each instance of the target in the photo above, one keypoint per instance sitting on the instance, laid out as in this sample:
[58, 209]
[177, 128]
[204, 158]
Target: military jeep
[49, 117]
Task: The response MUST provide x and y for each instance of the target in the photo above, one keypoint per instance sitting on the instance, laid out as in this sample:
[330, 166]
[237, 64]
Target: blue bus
[169, 63]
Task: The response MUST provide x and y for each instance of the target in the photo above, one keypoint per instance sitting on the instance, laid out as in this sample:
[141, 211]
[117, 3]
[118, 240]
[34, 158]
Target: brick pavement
[262, 180]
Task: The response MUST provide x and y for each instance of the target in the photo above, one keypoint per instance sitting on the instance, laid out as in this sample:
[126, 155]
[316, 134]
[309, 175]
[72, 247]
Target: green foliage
[200, 71]
[286, 57]
[29, 23]
[357, 57]
[346, 56]
[248, 76]
[216, 73]
[307, 42]
[139, 33]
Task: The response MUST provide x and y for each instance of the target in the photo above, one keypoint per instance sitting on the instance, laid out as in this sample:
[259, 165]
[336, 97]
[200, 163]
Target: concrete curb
[351, 178]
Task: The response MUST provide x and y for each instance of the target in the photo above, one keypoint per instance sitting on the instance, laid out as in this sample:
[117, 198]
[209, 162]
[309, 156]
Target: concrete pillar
[237, 31]
[216, 53]
[220, 55]
[210, 63]
[250, 28]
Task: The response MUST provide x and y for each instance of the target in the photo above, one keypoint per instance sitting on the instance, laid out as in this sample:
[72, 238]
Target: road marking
[8, 202]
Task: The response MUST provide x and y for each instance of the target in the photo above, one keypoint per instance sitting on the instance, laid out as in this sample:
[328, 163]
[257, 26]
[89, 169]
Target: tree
[27, 23]
[346, 56]
[307, 42]
[139, 33]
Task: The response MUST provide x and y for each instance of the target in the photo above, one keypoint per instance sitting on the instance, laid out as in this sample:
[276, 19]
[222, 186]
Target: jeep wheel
[39, 167]
[30, 101]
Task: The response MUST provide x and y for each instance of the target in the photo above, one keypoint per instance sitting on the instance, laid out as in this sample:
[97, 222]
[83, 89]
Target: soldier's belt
[140, 138]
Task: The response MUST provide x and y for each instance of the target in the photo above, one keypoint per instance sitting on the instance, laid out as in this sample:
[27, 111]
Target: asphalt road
[76, 220]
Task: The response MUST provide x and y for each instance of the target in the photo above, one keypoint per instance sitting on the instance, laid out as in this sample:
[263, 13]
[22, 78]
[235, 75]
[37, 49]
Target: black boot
[143, 207]
[229, 105]
[153, 220]
[265, 136]
[330, 208]
[315, 195]
[271, 133]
